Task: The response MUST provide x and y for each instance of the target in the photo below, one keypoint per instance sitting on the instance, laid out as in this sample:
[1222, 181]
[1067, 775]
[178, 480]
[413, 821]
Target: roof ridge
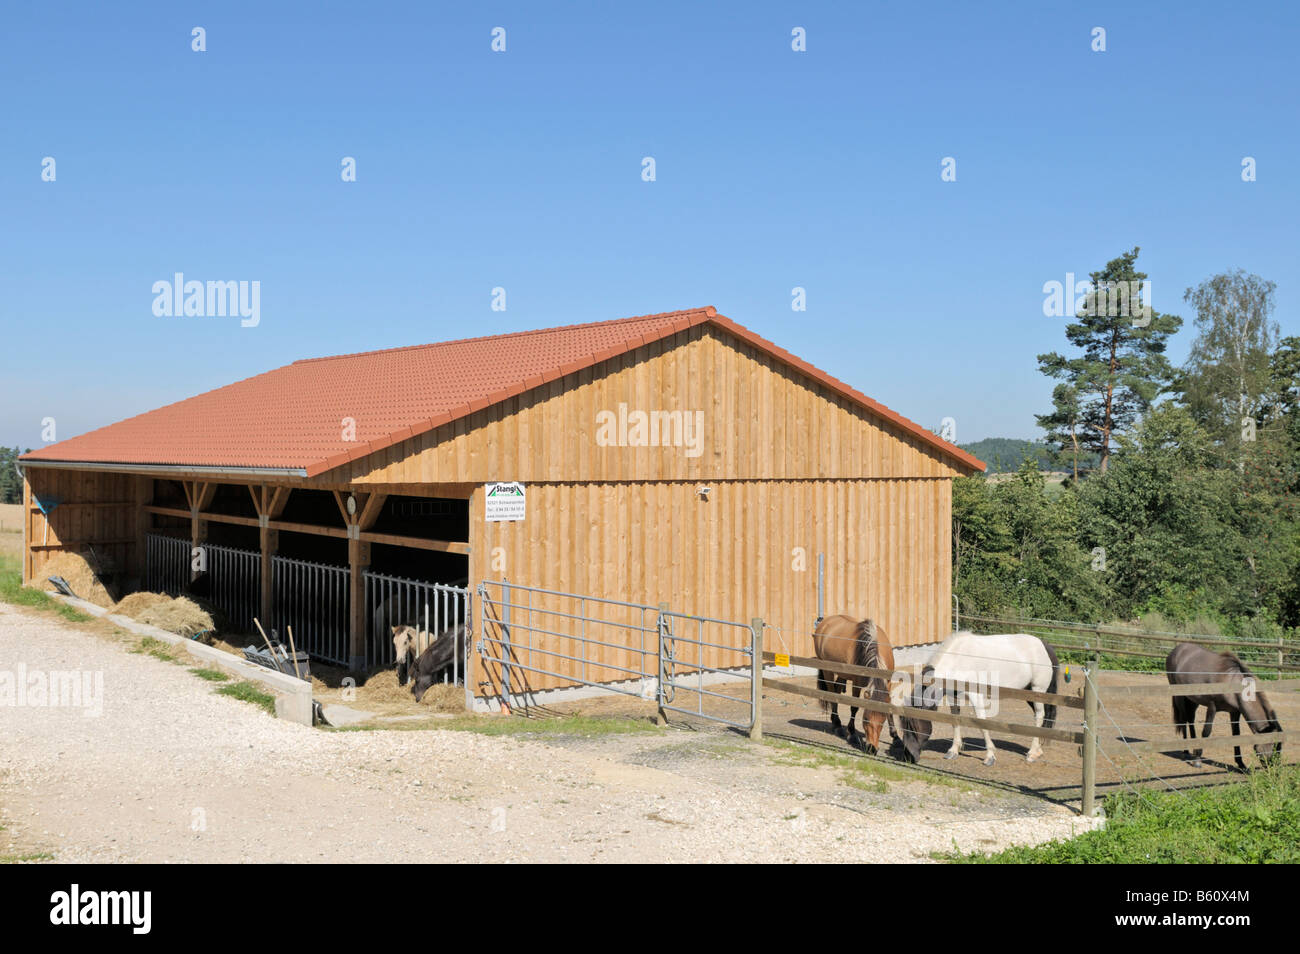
[706, 309]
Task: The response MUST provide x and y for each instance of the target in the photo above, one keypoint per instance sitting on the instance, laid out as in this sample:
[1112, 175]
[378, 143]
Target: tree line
[1182, 482]
[11, 485]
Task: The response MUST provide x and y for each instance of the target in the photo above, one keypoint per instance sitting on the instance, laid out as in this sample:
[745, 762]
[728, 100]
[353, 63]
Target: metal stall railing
[313, 599]
[433, 608]
[699, 650]
[235, 583]
[167, 563]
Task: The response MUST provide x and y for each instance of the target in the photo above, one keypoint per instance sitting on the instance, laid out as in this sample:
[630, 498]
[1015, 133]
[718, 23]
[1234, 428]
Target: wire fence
[1281, 655]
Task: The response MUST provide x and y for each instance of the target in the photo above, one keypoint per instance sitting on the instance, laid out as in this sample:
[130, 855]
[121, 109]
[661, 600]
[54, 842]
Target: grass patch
[13, 591]
[855, 771]
[158, 649]
[23, 859]
[211, 675]
[247, 692]
[1249, 822]
[584, 726]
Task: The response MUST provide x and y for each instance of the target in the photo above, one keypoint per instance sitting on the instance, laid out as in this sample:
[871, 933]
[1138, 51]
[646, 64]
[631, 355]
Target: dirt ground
[166, 769]
[1056, 777]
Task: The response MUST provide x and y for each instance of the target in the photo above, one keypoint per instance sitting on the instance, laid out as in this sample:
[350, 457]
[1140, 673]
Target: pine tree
[1123, 367]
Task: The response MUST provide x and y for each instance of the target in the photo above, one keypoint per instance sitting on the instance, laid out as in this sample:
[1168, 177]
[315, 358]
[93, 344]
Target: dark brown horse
[1188, 664]
[840, 639]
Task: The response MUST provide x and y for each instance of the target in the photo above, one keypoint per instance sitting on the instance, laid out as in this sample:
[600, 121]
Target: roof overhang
[182, 470]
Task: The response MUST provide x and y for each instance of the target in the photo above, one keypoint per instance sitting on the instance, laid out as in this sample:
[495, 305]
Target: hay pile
[85, 574]
[444, 698]
[380, 688]
[180, 615]
[137, 603]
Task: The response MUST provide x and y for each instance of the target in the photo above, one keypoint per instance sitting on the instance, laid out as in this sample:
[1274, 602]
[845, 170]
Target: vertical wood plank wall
[760, 420]
[750, 550]
[96, 507]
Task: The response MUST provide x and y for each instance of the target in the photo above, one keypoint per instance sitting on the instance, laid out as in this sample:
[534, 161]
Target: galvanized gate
[392, 601]
[235, 583]
[313, 599]
[167, 563]
[700, 651]
[532, 640]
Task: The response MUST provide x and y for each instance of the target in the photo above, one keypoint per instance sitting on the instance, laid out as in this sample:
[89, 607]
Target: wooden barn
[672, 459]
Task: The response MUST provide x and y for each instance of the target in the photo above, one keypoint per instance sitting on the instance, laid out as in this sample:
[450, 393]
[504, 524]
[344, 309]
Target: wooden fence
[1089, 698]
[1281, 654]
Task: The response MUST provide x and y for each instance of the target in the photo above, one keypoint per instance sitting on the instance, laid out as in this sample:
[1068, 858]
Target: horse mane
[866, 652]
[1269, 712]
[1235, 661]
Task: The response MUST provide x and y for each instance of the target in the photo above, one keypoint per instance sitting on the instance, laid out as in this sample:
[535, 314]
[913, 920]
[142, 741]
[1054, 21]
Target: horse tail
[824, 685]
[1049, 710]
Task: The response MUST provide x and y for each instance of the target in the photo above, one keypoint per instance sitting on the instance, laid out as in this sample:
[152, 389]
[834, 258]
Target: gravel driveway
[172, 771]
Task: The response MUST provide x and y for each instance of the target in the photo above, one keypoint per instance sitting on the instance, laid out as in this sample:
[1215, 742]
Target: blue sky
[522, 170]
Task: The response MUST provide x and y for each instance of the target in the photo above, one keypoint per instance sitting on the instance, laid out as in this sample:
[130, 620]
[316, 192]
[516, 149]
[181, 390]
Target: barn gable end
[759, 419]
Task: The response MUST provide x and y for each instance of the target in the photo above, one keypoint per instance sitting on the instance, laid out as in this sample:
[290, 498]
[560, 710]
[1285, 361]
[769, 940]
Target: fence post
[1089, 739]
[505, 648]
[661, 717]
[756, 679]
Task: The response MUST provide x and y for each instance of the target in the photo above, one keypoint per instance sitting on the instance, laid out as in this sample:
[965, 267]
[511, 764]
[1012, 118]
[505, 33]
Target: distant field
[11, 528]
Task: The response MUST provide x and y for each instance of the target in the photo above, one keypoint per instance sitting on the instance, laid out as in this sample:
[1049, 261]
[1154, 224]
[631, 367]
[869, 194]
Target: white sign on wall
[505, 501]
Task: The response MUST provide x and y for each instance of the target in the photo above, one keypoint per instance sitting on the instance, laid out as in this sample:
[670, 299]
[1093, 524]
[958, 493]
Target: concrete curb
[292, 696]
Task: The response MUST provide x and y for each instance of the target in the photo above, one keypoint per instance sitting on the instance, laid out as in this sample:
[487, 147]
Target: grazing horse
[1188, 664]
[976, 667]
[437, 654]
[841, 639]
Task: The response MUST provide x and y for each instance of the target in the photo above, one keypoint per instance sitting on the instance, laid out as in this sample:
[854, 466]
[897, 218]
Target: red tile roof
[292, 418]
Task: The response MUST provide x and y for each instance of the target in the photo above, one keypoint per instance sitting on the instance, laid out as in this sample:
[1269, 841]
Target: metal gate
[532, 640]
[699, 651]
[167, 563]
[235, 584]
[396, 601]
[313, 599]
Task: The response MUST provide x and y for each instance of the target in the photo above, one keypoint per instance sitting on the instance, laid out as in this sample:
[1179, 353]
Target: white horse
[976, 667]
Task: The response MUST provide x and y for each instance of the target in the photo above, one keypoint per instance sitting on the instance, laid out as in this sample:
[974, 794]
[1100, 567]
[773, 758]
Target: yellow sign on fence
[783, 660]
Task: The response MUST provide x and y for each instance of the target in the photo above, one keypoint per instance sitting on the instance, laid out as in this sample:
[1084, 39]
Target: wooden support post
[756, 677]
[197, 528]
[1089, 795]
[661, 717]
[358, 561]
[270, 544]
[200, 495]
[143, 520]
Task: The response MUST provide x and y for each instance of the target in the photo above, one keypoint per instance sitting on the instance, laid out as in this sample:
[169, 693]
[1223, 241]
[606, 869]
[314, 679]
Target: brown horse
[1188, 664]
[840, 639]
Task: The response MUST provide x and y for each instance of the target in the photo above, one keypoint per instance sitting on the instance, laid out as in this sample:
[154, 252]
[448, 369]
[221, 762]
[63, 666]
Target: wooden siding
[95, 507]
[734, 557]
[761, 421]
